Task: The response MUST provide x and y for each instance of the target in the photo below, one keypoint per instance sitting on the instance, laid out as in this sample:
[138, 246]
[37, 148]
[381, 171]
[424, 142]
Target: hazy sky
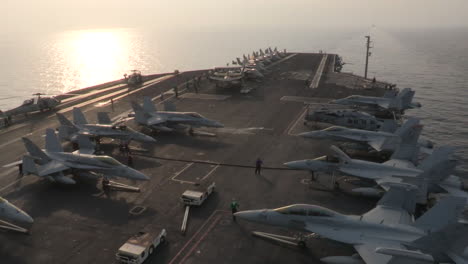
[38, 15]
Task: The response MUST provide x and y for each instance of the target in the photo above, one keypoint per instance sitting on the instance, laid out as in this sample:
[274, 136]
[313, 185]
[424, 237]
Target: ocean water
[434, 62]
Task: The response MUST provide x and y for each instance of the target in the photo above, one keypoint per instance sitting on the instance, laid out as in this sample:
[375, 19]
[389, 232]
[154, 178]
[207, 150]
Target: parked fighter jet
[380, 141]
[436, 169]
[401, 164]
[169, 120]
[228, 76]
[351, 118]
[11, 213]
[398, 103]
[80, 126]
[379, 236]
[33, 105]
[53, 163]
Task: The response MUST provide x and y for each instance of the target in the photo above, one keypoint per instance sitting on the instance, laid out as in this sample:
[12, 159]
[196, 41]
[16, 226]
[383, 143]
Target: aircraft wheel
[301, 244]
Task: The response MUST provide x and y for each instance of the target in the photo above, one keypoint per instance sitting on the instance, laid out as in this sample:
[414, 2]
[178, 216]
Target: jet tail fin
[148, 105]
[442, 239]
[35, 151]
[169, 106]
[103, 118]
[444, 213]
[139, 113]
[85, 145]
[63, 120]
[409, 134]
[439, 165]
[29, 167]
[388, 125]
[400, 196]
[78, 117]
[405, 97]
[52, 144]
[341, 155]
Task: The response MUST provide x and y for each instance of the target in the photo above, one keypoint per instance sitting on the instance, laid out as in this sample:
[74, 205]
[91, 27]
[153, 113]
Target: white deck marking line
[14, 140]
[209, 173]
[9, 185]
[122, 93]
[8, 171]
[180, 172]
[283, 59]
[83, 104]
[208, 220]
[295, 121]
[318, 74]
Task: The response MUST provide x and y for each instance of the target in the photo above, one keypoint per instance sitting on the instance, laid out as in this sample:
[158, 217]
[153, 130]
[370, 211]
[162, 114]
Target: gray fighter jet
[33, 105]
[104, 129]
[380, 141]
[11, 213]
[53, 163]
[435, 169]
[169, 120]
[398, 103]
[351, 118]
[379, 236]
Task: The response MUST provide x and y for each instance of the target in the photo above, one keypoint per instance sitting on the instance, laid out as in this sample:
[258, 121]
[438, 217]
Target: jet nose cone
[136, 175]
[149, 139]
[25, 219]
[311, 134]
[250, 215]
[298, 164]
[216, 124]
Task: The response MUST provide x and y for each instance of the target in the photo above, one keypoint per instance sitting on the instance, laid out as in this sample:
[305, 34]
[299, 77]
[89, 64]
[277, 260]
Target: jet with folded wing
[147, 115]
[378, 140]
[437, 169]
[351, 118]
[54, 164]
[379, 236]
[104, 129]
[399, 103]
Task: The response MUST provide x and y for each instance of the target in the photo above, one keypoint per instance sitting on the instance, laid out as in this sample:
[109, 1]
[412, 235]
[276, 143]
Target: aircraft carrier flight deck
[82, 223]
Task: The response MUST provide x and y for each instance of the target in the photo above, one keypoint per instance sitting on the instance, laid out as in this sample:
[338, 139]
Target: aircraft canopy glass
[305, 210]
[197, 115]
[28, 102]
[333, 129]
[108, 160]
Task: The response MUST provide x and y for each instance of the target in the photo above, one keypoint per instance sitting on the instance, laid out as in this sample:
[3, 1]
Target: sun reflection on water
[91, 57]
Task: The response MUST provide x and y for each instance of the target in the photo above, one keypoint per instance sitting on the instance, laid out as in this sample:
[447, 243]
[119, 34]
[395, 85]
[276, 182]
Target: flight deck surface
[84, 224]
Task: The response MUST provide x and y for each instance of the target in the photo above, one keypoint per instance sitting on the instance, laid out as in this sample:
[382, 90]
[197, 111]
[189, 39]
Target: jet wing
[16, 163]
[453, 190]
[376, 143]
[51, 167]
[384, 104]
[368, 253]
[367, 174]
[395, 207]
[400, 163]
[155, 120]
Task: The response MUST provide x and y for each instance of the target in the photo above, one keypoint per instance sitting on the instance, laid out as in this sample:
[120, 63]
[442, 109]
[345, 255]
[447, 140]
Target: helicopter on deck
[134, 78]
[35, 104]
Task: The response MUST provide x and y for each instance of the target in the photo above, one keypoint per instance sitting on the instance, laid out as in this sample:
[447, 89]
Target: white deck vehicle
[190, 197]
[139, 247]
